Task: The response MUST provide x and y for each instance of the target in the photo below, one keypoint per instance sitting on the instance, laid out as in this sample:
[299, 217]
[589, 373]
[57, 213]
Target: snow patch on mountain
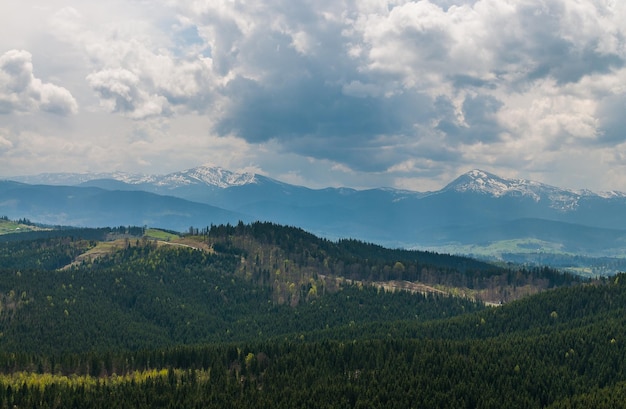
[613, 194]
[478, 181]
[215, 176]
[201, 175]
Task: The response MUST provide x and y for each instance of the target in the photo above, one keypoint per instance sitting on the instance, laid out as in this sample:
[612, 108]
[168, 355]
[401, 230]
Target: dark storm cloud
[566, 64]
[611, 114]
[463, 81]
[300, 101]
[309, 95]
[479, 120]
[546, 50]
[328, 122]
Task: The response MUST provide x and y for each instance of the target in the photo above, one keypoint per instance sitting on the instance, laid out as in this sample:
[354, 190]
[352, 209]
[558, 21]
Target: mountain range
[476, 209]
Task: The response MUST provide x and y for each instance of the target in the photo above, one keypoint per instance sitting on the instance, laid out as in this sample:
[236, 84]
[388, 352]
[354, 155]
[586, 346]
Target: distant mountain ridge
[476, 181]
[209, 175]
[474, 209]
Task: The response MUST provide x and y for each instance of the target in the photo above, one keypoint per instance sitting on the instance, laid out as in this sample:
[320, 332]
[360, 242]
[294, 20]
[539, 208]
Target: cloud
[316, 119]
[21, 91]
[503, 42]
[5, 143]
[135, 74]
[394, 92]
[155, 85]
[123, 92]
[612, 120]
[369, 85]
[555, 46]
[289, 76]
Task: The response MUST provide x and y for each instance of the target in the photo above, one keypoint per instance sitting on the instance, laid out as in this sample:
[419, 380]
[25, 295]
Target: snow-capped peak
[483, 182]
[208, 175]
[479, 181]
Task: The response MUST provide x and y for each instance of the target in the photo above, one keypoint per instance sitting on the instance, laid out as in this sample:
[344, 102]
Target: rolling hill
[161, 324]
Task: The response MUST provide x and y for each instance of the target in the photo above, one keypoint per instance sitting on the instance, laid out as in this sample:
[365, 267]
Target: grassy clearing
[160, 235]
[9, 227]
[103, 248]
[165, 238]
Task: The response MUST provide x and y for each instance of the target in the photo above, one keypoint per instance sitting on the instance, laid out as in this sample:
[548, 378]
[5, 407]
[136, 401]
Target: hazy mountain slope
[476, 207]
[573, 238]
[90, 206]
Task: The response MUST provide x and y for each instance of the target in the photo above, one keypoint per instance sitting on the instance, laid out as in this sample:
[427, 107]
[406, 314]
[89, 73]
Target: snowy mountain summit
[479, 181]
[212, 176]
[203, 175]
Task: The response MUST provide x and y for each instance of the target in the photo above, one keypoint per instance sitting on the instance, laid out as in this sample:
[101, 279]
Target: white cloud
[21, 91]
[122, 92]
[546, 66]
[134, 67]
[5, 143]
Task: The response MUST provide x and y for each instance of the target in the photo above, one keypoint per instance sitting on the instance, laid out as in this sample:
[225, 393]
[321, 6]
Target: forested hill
[70, 294]
[287, 257]
[152, 288]
[169, 321]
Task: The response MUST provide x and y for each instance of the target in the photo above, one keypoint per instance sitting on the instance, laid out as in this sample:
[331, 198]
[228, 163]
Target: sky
[363, 93]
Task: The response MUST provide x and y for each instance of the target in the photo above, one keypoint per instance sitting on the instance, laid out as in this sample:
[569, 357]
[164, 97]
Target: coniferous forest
[263, 315]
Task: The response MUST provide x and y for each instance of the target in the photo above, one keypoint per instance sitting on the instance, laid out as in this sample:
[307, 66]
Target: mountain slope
[91, 207]
[473, 209]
